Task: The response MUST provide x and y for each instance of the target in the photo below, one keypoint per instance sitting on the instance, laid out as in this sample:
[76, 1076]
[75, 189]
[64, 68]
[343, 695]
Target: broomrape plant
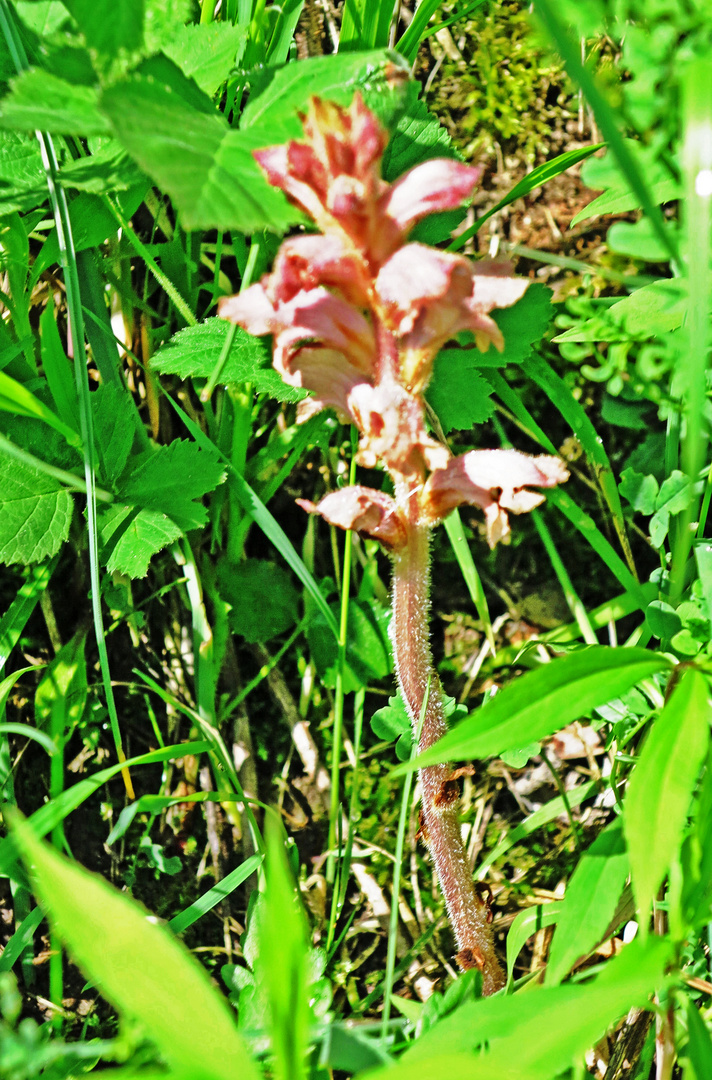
[358, 315]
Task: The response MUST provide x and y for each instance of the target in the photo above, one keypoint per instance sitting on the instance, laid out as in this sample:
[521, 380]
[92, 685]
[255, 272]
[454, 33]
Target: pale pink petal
[251, 309]
[303, 262]
[319, 316]
[428, 296]
[494, 480]
[365, 510]
[393, 430]
[328, 374]
[286, 168]
[440, 184]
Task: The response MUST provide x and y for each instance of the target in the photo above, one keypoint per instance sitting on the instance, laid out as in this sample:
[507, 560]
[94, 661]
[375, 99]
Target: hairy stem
[469, 912]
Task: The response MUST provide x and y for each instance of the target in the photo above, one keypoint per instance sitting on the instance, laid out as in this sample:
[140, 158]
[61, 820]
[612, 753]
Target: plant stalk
[440, 828]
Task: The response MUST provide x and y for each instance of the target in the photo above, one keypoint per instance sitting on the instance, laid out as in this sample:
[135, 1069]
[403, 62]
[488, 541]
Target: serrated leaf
[138, 966]
[195, 352]
[418, 136]
[262, 596]
[605, 172]
[524, 323]
[130, 537]
[40, 100]
[651, 310]
[206, 52]
[109, 169]
[21, 169]
[35, 513]
[457, 392]
[592, 896]
[169, 478]
[641, 491]
[620, 200]
[114, 429]
[278, 94]
[206, 167]
[661, 787]
[544, 701]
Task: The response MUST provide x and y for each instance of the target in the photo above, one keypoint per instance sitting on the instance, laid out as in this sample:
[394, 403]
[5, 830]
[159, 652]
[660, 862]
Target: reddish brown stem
[469, 912]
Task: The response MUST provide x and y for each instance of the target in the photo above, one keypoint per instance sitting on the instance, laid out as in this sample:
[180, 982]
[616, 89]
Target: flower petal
[440, 184]
[303, 262]
[428, 296]
[393, 430]
[364, 510]
[496, 481]
[328, 373]
[252, 310]
[320, 316]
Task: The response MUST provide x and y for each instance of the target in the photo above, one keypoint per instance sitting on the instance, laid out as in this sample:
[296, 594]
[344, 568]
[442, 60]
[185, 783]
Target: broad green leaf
[368, 654]
[591, 899]
[699, 1046]
[392, 723]
[35, 513]
[418, 136]
[130, 537]
[638, 239]
[605, 172]
[194, 353]
[278, 94]
[109, 27]
[457, 393]
[262, 596]
[663, 620]
[543, 701]
[659, 791]
[114, 429]
[141, 969]
[675, 495]
[640, 490]
[620, 200]
[206, 167]
[651, 310]
[526, 924]
[22, 175]
[169, 478]
[40, 100]
[108, 170]
[16, 398]
[540, 1034]
[206, 52]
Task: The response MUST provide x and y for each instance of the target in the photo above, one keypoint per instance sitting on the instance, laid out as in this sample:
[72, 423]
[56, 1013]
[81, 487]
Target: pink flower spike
[329, 374]
[440, 184]
[393, 431]
[319, 316]
[365, 511]
[494, 480]
[251, 309]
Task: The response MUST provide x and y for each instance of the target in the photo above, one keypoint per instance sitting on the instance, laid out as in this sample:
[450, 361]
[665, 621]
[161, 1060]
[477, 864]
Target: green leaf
[169, 478]
[641, 491]
[457, 393]
[141, 969]
[538, 1035]
[206, 52]
[40, 100]
[109, 27]
[278, 94]
[699, 1046]
[637, 238]
[281, 962]
[418, 136]
[545, 700]
[621, 412]
[63, 686]
[661, 786]
[368, 654]
[592, 896]
[193, 155]
[21, 171]
[605, 172]
[262, 596]
[107, 170]
[131, 537]
[194, 353]
[392, 723]
[114, 429]
[524, 323]
[35, 513]
[526, 924]
[663, 620]
[16, 398]
[364, 24]
[58, 370]
[675, 495]
[651, 310]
